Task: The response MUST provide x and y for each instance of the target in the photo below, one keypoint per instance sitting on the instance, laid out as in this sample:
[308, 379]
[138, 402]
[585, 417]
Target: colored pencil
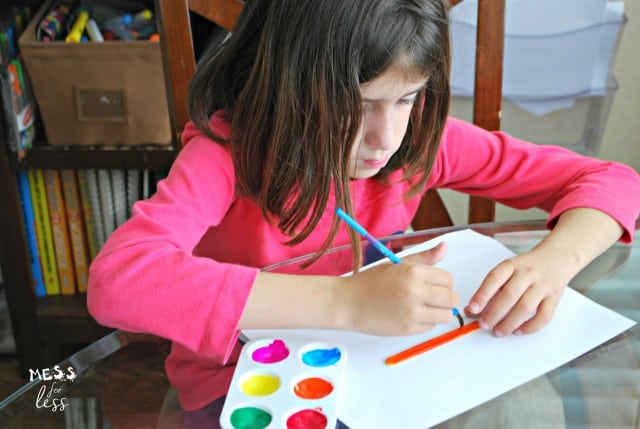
[432, 343]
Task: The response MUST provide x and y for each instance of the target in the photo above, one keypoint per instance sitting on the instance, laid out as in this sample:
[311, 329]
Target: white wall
[621, 140]
[622, 136]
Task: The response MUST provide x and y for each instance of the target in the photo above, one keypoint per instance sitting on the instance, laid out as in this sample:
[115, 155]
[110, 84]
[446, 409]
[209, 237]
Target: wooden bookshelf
[47, 329]
[144, 156]
[65, 320]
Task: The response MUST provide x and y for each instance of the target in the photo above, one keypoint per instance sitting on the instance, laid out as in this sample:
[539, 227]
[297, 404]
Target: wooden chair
[180, 65]
[487, 108]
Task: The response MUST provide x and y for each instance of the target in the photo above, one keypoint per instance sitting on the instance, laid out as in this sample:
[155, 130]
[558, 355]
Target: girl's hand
[401, 299]
[521, 294]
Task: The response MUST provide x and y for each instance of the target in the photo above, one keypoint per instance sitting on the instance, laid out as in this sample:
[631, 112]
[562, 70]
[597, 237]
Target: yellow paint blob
[260, 385]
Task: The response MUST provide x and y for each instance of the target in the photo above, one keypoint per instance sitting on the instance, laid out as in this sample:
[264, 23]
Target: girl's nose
[381, 131]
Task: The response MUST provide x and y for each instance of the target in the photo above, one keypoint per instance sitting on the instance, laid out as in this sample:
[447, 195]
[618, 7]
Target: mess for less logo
[50, 394]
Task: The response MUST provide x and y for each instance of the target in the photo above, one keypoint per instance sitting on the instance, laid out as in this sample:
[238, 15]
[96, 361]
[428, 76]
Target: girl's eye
[407, 101]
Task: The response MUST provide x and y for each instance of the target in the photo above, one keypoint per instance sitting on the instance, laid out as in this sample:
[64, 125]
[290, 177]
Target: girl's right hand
[400, 299]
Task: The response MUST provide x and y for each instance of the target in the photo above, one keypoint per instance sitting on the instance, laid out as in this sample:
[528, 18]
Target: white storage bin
[579, 125]
[545, 61]
[557, 80]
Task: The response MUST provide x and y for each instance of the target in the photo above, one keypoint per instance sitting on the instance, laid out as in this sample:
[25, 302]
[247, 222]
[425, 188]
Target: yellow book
[77, 232]
[43, 232]
[60, 231]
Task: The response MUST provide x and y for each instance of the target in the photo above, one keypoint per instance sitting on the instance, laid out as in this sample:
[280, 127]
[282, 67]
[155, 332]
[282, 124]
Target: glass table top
[119, 381]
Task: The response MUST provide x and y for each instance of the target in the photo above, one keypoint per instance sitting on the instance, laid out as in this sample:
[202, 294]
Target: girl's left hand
[521, 294]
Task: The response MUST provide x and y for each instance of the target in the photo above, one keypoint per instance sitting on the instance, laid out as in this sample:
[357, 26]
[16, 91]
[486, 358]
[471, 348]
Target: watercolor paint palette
[285, 384]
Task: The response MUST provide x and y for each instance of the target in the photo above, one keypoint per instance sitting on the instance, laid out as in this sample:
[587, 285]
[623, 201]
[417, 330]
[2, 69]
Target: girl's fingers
[440, 297]
[427, 317]
[494, 281]
[519, 306]
[543, 315]
[437, 316]
[431, 256]
[522, 310]
[511, 300]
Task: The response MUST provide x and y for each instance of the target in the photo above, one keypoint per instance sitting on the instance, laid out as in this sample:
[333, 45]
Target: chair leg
[481, 210]
[432, 213]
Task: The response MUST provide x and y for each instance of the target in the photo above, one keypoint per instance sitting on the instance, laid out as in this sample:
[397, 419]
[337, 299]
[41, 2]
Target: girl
[312, 105]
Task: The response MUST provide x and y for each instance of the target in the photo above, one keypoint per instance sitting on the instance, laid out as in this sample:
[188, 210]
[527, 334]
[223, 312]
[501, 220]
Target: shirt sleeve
[523, 175]
[146, 278]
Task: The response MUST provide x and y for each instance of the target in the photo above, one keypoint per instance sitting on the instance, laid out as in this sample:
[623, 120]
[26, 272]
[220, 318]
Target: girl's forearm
[582, 234]
[292, 301]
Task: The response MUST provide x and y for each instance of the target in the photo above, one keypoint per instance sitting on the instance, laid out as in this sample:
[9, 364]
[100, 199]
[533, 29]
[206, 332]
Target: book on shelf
[43, 231]
[30, 233]
[77, 231]
[89, 215]
[119, 195]
[105, 193]
[60, 231]
[17, 108]
[93, 196]
[16, 97]
[133, 189]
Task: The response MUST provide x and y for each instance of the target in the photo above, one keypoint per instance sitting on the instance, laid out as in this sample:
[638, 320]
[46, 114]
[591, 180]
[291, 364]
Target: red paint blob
[307, 419]
[313, 388]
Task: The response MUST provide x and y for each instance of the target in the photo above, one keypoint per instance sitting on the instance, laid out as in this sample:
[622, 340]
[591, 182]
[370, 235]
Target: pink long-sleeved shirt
[183, 266]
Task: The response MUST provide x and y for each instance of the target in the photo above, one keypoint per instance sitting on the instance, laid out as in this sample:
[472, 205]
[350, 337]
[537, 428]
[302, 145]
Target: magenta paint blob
[307, 419]
[274, 352]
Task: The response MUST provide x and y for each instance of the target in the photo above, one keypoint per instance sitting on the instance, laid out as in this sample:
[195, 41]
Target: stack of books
[68, 214]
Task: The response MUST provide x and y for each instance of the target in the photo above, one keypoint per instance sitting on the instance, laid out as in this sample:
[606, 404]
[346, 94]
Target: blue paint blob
[321, 357]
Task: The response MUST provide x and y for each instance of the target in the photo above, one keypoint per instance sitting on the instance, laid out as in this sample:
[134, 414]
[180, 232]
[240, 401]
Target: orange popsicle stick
[432, 343]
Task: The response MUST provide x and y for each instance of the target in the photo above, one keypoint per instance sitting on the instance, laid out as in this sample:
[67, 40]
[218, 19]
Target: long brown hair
[288, 81]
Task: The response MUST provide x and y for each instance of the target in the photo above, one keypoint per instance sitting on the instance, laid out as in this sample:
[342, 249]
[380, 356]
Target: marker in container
[142, 16]
[51, 25]
[75, 34]
[381, 247]
[94, 31]
[118, 26]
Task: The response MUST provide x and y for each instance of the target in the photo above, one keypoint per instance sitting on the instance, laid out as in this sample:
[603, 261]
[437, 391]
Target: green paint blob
[260, 385]
[250, 418]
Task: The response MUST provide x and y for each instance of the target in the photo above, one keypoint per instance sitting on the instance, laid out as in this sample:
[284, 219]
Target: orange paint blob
[313, 388]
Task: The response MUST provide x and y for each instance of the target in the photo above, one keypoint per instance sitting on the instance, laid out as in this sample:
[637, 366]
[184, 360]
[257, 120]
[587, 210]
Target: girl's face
[388, 101]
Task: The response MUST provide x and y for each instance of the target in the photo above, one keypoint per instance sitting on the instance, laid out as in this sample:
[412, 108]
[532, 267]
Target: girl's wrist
[340, 311]
[569, 256]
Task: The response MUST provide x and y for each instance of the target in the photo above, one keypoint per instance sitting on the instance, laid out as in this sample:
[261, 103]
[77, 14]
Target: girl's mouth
[375, 163]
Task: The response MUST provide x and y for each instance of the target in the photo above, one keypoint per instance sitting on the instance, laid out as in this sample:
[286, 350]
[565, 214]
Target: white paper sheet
[463, 374]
